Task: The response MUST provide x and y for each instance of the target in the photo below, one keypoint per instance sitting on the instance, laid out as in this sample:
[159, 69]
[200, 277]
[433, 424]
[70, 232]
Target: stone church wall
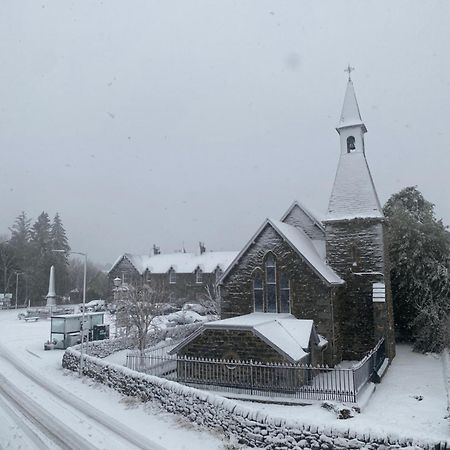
[311, 297]
[355, 250]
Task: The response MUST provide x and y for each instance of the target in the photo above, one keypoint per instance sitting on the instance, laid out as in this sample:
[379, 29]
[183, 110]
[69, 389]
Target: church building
[305, 290]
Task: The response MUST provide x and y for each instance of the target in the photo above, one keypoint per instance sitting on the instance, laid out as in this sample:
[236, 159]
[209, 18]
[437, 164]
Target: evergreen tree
[59, 241]
[41, 257]
[419, 250]
[20, 246]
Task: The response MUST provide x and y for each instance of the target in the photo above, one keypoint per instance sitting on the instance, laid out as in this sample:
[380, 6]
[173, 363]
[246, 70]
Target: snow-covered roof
[350, 115]
[283, 332]
[353, 193]
[298, 240]
[299, 216]
[180, 262]
[311, 251]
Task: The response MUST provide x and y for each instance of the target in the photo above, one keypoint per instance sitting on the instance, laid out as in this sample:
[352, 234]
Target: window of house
[198, 275]
[285, 293]
[172, 276]
[355, 255]
[218, 274]
[351, 144]
[271, 283]
[258, 291]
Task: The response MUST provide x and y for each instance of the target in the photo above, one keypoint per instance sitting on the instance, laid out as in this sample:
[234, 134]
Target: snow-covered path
[71, 422]
[24, 346]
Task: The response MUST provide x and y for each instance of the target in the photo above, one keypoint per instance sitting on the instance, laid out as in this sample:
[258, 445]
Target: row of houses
[184, 277]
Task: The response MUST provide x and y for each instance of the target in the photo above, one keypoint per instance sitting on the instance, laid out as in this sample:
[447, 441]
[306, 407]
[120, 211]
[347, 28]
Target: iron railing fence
[283, 380]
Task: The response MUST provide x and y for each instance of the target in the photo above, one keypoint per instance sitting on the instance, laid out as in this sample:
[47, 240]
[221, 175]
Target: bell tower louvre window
[351, 144]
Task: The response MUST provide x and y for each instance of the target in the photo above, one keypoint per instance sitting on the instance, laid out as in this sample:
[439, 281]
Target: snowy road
[53, 415]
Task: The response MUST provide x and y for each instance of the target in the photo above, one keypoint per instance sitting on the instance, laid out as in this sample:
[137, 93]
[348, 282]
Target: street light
[17, 285]
[84, 302]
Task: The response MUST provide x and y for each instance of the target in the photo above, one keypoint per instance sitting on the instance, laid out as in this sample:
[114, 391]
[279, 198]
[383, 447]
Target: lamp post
[117, 282]
[84, 303]
[17, 285]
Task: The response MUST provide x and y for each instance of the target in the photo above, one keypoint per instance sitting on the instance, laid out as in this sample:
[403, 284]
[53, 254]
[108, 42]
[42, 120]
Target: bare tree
[136, 309]
[211, 299]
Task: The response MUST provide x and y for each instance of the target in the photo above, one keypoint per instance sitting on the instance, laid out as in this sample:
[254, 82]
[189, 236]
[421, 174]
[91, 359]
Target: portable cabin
[66, 329]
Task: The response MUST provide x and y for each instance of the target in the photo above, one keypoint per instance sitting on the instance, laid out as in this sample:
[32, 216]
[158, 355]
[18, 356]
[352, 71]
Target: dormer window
[219, 273]
[198, 275]
[172, 276]
[351, 144]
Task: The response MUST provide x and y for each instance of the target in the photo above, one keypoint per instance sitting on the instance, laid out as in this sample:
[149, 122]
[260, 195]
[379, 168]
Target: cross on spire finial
[349, 69]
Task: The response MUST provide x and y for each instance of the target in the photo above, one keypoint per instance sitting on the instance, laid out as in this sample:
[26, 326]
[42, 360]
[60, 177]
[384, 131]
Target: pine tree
[419, 250]
[20, 239]
[20, 246]
[59, 241]
[41, 258]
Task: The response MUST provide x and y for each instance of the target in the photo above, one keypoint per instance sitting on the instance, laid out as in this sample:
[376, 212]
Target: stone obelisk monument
[51, 296]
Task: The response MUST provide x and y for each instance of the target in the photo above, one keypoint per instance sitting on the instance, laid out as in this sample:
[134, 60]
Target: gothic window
[258, 291]
[285, 293]
[198, 275]
[351, 144]
[271, 283]
[172, 276]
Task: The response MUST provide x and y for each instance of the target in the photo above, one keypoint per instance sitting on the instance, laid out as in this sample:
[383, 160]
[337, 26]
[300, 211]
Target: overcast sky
[170, 122]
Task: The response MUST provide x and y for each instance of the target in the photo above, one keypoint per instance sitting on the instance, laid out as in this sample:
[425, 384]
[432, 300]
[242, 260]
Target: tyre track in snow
[96, 416]
[47, 423]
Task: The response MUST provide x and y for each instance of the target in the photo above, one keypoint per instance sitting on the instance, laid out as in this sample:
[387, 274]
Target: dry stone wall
[250, 427]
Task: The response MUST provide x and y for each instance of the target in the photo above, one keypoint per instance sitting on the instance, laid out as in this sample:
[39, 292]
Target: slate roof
[180, 262]
[353, 193]
[285, 333]
[311, 251]
[350, 115]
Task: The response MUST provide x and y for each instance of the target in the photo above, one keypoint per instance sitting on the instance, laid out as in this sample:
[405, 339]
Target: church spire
[353, 194]
[350, 115]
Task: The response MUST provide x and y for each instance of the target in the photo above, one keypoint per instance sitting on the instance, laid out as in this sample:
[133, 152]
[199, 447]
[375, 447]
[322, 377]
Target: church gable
[270, 275]
[298, 216]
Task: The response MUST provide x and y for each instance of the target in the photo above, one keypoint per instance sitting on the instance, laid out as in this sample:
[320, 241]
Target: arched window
[271, 283]
[258, 291]
[285, 293]
[351, 144]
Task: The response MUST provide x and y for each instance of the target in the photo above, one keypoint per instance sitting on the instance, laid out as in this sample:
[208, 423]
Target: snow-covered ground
[25, 340]
[410, 401]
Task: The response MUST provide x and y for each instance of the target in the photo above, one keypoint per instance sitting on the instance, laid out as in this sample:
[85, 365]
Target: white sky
[148, 122]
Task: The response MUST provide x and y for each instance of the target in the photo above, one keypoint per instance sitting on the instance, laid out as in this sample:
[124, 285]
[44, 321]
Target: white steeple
[353, 193]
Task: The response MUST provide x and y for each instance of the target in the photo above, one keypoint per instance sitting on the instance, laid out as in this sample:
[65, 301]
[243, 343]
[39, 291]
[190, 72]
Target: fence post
[251, 377]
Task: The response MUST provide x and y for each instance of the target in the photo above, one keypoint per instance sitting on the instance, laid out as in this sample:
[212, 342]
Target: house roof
[302, 244]
[283, 332]
[180, 262]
